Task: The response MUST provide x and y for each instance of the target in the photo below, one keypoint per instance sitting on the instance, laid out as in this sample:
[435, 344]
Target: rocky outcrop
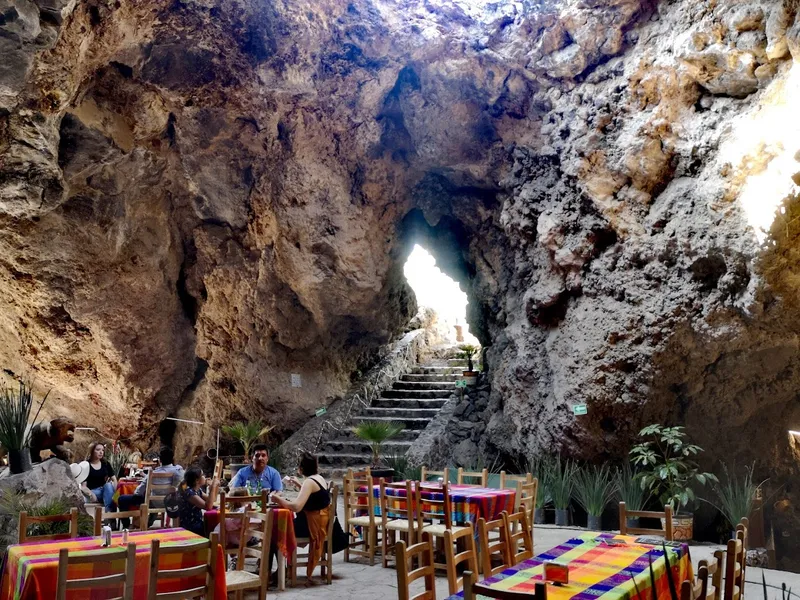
[199, 199]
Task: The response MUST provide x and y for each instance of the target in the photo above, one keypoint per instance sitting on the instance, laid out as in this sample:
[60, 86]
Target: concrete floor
[359, 581]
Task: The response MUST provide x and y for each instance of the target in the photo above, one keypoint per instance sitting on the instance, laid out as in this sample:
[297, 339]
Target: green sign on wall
[461, 383]
[579, 409]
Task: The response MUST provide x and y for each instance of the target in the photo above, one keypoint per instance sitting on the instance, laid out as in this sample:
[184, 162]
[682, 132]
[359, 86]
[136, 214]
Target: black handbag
[341, 540]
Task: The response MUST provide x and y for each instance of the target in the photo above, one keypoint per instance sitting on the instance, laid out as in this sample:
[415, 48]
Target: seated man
[166, 457]
[259, 472]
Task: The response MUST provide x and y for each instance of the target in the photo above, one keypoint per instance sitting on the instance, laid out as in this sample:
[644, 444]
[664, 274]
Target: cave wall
[199, 198]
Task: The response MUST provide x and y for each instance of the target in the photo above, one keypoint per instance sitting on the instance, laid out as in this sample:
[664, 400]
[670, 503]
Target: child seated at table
[233, 527]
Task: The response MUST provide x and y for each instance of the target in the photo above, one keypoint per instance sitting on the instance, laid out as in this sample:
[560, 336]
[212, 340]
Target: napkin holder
[556, 573]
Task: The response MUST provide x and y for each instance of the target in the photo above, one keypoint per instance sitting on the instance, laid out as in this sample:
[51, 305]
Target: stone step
[430, 377]
[344, 459]
[437, 370]
[415, 423]
[407, 435]
[436, 403]
[410, 394]
[400, 413]
[423, 385]
[357, 446]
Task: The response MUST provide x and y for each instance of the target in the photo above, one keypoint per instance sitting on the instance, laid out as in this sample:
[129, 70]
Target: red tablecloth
[282, 528]
[32, 569]
[125, 487]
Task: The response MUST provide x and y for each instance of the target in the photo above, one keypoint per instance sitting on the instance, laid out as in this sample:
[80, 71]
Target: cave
[205, 213]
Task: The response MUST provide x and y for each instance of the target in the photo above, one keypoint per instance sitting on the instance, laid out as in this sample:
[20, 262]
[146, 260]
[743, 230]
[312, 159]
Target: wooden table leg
[281, 571]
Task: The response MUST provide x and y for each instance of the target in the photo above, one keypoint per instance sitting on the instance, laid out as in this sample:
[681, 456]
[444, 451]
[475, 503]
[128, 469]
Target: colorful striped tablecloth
[32, 569]
[468, 504]
[125, 487]
[282, 528]
[615, 572]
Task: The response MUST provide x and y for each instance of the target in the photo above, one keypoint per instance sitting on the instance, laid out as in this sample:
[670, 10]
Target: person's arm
[88, 493]
[302, 497]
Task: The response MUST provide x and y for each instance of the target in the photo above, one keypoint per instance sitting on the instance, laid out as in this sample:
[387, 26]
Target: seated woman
[101, 484]
[312, 511]
[193, 501]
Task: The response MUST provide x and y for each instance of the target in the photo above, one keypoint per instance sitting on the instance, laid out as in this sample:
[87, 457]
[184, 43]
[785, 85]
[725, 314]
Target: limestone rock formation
[199, 198]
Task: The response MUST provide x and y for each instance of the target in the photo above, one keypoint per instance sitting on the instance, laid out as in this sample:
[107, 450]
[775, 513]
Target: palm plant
[593, 488]
[562, 482]
[246, 433]
[628, 488]
[736, 495]
[468, 352]
[376, 433]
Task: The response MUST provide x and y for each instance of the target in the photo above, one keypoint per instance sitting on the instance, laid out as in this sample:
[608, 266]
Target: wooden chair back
[254, 525]
[400, 507]
[473, 589]
[183, 574]
[742, 533]
[405, 556]
[101, 516]
[26, 521]
[497, 548]
[359, 496]
[326, 562]
[427, 474]
[714, 569]
[509, 482]
[121, 579]
[699, 589]
[734, 567]
[518, 534]
[228, 506]
[433, 509]
[481, 476]
[625, 514]
[465, 536]
[158, 486]
[219, 468]
[525, 499]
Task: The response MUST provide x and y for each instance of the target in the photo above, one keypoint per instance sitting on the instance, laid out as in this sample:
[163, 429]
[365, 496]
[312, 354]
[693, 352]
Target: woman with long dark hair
[101, 483]
[193, 501]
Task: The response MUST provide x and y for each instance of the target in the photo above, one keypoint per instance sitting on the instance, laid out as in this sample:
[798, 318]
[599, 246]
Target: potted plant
[629, 490]
[118, 458]
[468, 352]
[376, 433]
[15, 411]
[668, 471]
[593, 491]
[736, 496]
[246, 433]
[562, 484]
[539, 468]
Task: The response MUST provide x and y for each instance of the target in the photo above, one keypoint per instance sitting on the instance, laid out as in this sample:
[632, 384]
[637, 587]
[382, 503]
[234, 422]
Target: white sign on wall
[296, 381]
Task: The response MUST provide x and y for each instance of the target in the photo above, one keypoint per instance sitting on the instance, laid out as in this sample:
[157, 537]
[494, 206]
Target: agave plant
[15, 411]
[562, 482]
[246, 433]
[118, 458]
[397, 461]
[540, 467]
[593, 488]
[376, 433]
[736, 495]
[628, 488]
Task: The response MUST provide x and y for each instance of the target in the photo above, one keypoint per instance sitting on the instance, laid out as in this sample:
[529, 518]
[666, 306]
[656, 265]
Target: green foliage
[376, 433]
[594, 488]
[15, 411]
[667, 467]
[402, 467]
[468, 352]
[628, 488]
[562, 482]
[118, 458]
[541, 468]
[246, 433]
[736, 495]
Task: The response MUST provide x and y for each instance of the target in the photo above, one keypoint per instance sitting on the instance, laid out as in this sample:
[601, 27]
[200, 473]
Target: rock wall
[199, 198]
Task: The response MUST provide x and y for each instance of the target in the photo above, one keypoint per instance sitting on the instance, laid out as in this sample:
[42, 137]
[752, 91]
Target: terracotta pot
[19, 461]
[595, 523]
[386, 474]
[562, 517]
[471, 377]
[682, 527]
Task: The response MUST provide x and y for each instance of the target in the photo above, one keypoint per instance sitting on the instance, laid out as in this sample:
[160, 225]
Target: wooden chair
[525, 501]
[405, 556]
[183, 574]
[472, 589]
[426, 474]
[714, 569]
[258, 525]
[734, 567]
[482, 476]
[119, 579]
[498, 547]
[139, 514]
[700, 588]
[26, 521]
[402, 520]
[518, 532]
[326, 562]
[218, 469]
[466, 537]
[226, 504]
[438, 510]
[742, 533]
[158, 486]
[625, 514]
[358, 498]
[509, 482]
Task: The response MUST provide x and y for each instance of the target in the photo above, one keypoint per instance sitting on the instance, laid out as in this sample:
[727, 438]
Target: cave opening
[435, 290]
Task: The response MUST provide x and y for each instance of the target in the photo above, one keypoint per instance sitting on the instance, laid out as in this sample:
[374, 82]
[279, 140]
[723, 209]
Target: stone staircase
[413, 401]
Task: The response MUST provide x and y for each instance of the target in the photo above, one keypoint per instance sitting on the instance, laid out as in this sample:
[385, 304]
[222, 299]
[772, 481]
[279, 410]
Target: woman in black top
[193, 501]
[312, 508]
[101, 483]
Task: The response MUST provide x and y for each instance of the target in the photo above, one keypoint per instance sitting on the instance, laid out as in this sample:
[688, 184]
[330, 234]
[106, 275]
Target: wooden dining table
[615, 567]
[31, 571]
